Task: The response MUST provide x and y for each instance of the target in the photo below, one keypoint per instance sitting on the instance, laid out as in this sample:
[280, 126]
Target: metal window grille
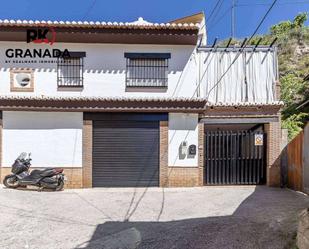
[70, 72]
[146, 72]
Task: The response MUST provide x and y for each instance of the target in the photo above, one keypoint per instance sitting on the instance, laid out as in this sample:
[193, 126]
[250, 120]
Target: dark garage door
[125, 153]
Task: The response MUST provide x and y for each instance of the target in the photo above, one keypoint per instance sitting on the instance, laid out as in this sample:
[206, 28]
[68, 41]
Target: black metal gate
[234, 157]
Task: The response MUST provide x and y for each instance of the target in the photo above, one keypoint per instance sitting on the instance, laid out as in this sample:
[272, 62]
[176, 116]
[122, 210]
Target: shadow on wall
[105, 64]
[267, 213]
[51, 68]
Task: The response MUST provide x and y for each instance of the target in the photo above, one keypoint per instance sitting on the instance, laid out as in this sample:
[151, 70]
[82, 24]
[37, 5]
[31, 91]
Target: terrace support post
[273, 154]
[87, 153]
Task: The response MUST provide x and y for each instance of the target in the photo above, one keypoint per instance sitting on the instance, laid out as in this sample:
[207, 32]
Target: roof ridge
[96, 24]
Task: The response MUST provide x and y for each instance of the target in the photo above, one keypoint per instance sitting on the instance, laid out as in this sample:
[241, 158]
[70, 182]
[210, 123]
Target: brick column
[87, 153]
[273, 131]
[163, 153]
[201, 139]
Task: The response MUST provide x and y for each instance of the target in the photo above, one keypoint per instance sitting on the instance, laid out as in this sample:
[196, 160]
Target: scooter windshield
[22, 156]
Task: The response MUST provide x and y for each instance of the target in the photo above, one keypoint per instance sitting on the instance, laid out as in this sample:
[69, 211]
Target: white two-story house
[138, 104]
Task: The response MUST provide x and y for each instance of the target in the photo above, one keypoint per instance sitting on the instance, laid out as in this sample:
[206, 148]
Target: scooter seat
[42, 173]
[35, 174]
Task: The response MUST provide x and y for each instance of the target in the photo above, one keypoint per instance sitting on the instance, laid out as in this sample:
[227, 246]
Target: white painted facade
[53, 138]
[251, 78]
[183, 127]
[104, 71]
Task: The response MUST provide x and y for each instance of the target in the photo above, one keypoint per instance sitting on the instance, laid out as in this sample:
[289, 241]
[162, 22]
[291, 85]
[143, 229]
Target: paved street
[207, 217]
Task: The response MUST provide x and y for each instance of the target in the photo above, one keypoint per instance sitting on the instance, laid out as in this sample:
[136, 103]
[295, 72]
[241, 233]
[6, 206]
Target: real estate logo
[39, 35]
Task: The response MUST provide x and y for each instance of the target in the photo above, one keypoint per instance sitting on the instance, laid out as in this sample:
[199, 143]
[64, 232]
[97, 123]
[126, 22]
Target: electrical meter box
[192, 149]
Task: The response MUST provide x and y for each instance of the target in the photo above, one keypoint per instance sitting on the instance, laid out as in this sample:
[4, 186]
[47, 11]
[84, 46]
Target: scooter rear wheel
[60, 185]
[11, 181]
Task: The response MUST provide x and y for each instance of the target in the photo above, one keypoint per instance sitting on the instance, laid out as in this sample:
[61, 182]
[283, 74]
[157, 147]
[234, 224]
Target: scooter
[49, 178]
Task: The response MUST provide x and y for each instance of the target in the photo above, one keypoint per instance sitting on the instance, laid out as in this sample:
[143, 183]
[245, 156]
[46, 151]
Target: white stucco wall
[53, 138]
[104, 70]
[182, 127]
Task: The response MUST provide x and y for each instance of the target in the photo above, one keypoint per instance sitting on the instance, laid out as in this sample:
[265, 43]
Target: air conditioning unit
[22, 79]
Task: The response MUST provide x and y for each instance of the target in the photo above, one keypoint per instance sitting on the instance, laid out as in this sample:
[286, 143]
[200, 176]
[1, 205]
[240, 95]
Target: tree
[281, 28]
[300, 19]
[286, 26]
[294, 124]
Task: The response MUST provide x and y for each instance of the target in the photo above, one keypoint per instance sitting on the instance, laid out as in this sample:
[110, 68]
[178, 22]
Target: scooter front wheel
[11, 181]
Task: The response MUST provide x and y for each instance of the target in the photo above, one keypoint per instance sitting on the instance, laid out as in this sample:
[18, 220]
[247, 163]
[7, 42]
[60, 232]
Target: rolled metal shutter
[125, 153]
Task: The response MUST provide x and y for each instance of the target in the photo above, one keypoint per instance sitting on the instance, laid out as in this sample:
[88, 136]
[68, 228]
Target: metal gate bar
[232, 157]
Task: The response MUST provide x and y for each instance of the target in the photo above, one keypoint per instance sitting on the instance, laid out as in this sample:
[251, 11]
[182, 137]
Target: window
[147, 69]
[70, 70]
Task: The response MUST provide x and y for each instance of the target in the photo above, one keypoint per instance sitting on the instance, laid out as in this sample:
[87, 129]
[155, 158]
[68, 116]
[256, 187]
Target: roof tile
[141, 24]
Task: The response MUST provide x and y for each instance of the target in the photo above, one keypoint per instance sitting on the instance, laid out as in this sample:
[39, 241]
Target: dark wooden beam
[261, 120]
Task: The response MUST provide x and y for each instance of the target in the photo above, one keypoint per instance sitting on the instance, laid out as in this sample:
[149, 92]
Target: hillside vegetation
[293, 55]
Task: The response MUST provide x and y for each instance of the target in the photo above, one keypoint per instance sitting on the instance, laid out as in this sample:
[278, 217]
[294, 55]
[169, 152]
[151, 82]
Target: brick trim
[241, 111]
[21, 89]
[183, 176]
[163, 157]
[87, 153]
[201, 161]
[75, 177]
[273, 131]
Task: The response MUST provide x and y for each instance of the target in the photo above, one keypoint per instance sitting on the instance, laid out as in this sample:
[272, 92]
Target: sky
[248, 13]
